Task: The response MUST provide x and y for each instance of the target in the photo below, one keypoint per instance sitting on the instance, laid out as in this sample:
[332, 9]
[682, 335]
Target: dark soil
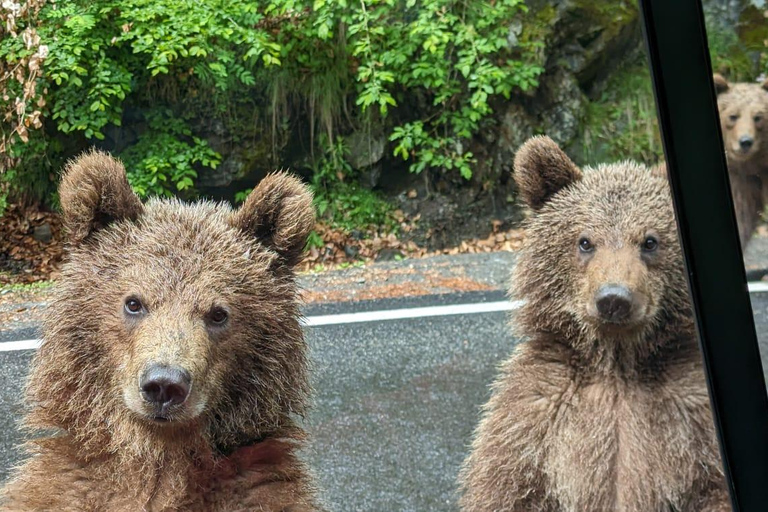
[446, 220]
[446, 210]
[31, 244]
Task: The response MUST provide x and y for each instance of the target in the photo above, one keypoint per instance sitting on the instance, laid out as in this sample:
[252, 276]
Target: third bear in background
[743, 117]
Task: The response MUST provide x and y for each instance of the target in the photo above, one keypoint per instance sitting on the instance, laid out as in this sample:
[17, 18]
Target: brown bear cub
[604, 406]
[743, 115]
[173, 362]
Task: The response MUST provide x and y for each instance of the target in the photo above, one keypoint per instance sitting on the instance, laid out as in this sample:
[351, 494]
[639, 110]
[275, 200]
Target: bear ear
[721, 84]
[764, 85]
[278, 213]
[94, 193]
[542, 169]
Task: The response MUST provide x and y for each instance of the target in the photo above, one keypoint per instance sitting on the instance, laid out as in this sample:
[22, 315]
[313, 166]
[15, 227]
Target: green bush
[341, 201]
[452, 54]
[266, 67]
[729, 56]
[162, 161]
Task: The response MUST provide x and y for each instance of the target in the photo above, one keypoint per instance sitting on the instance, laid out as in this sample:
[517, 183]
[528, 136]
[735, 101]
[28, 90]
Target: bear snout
[163, 386]
[614, 303]
[745, 143]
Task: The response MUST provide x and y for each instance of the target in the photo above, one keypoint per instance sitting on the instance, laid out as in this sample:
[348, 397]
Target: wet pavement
[396, 405]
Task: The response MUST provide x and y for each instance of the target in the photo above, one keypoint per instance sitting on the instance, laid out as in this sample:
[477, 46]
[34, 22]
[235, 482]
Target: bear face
[743, 110]
[172, 320]
[602, 260]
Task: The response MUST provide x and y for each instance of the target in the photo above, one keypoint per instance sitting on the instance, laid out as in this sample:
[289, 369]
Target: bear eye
[585, 245]
[133, 306]
[758, 118]
[218, 316]
[733, 117]
[650, 244]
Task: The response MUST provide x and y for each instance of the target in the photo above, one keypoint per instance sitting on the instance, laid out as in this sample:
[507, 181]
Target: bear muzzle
[164, 388]
[746, 143]
[743, 147]
[614, 303]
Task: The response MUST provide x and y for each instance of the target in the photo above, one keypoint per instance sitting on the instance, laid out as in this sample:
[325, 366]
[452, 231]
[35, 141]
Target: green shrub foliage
[423, 75]
[71, 70]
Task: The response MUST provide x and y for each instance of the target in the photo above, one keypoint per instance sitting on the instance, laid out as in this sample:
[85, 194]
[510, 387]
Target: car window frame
[681, 71]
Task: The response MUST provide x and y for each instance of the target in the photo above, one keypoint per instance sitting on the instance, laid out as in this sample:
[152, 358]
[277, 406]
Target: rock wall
[584, 42]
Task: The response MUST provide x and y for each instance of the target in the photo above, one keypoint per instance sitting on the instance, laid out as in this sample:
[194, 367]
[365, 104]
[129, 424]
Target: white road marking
[400, 314]
[10, 346]
[757, 287]
[382, 315]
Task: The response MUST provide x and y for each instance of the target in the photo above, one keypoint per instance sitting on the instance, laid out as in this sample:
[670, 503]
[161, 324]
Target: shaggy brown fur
[591, 414]
[230, 445]
[743, 112]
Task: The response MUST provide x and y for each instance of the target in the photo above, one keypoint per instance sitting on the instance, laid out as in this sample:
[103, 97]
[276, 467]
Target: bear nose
[165, 385]
[746, 142]
[614, 302]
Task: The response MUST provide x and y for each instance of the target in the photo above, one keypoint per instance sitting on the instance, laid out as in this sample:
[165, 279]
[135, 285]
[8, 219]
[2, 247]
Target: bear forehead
[743, 95]
[623, 195]
[199, 228]
[624, 187]
[171, 237]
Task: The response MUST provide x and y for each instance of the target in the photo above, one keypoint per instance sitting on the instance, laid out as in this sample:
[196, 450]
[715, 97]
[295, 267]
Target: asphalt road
[396, 400]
